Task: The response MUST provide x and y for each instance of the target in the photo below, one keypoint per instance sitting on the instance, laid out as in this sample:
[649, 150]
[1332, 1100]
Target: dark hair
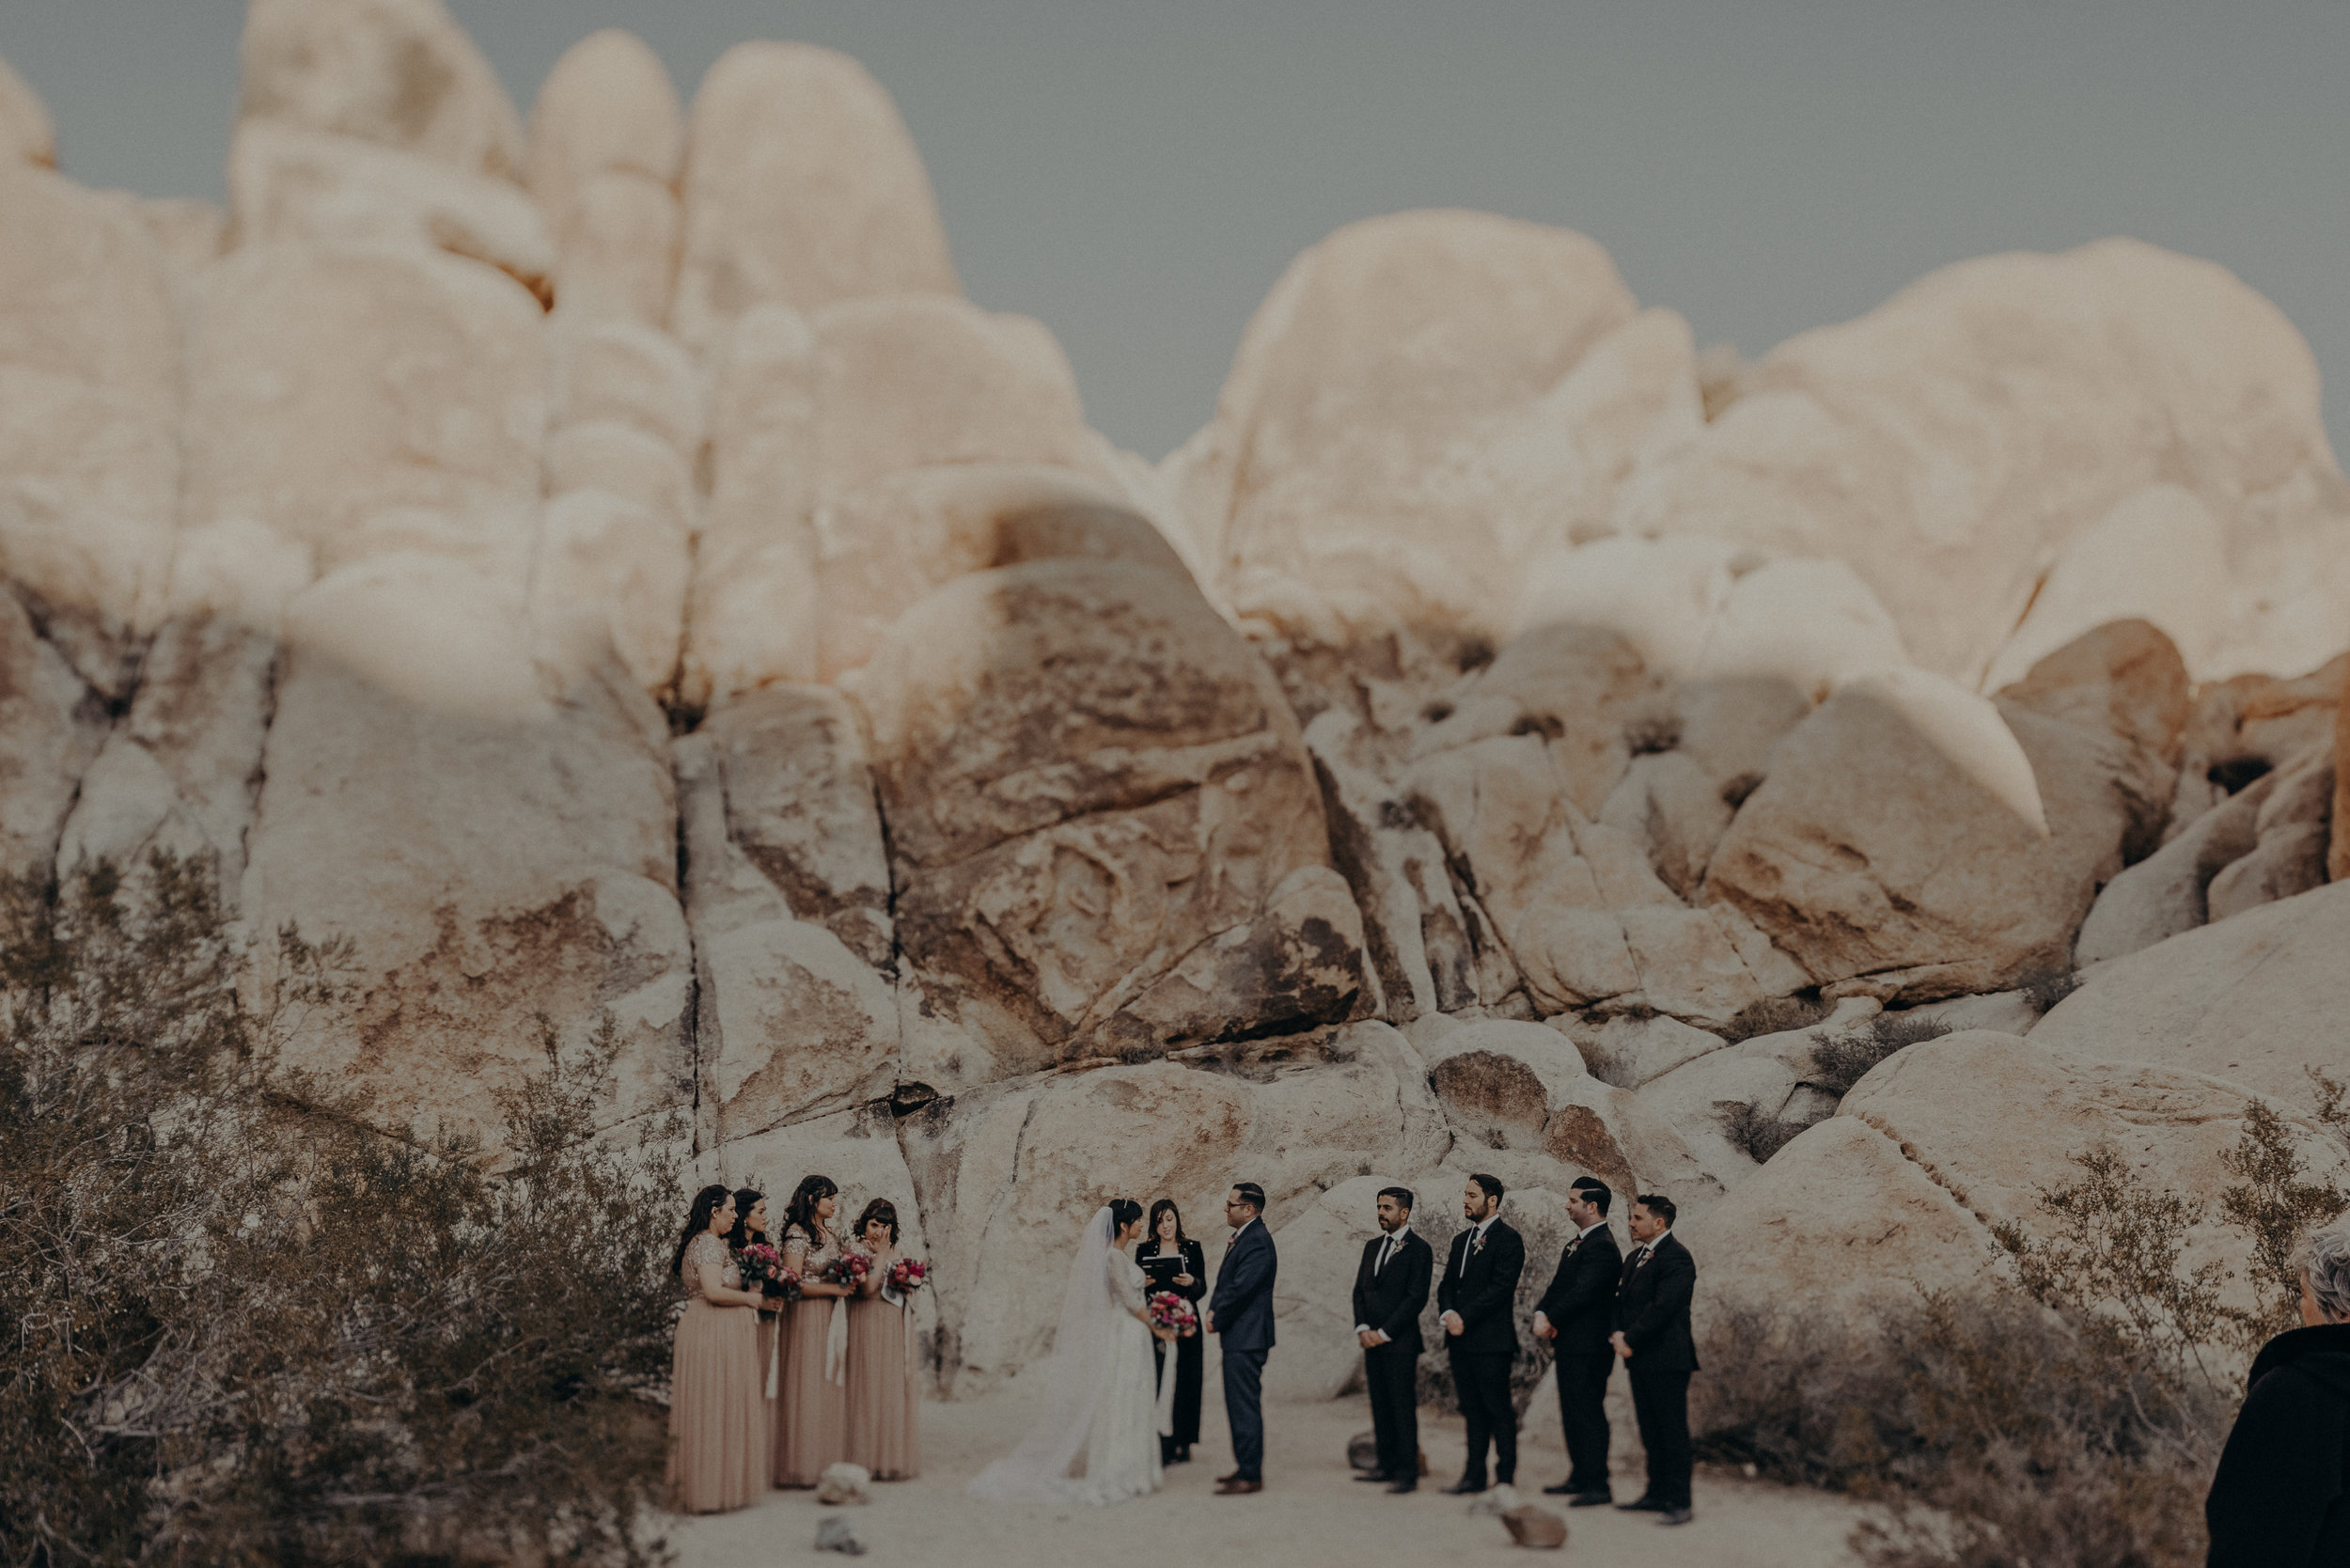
[882, 1210]
[697, 1221]
[801, 1211]
[746, 1200]
[1124, 1212]
[1402, 1197]
[1659, 1205]
[1166, 1206]
[1250, 1194]
[1491, 1183]
[1595, 1192]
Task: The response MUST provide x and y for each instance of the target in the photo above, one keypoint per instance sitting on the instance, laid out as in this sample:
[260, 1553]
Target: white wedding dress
[1099, 1440]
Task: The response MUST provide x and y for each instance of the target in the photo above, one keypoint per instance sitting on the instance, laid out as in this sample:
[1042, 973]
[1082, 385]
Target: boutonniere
[1477, 1244]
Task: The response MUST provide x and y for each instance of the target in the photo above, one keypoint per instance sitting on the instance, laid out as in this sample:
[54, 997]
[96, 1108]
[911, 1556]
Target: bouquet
[1170, 1311]
[907, 1273]
[764, 1271]
[849, 1269]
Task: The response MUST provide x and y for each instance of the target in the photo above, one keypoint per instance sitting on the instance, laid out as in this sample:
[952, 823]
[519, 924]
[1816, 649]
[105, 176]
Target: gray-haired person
[2281, 1496]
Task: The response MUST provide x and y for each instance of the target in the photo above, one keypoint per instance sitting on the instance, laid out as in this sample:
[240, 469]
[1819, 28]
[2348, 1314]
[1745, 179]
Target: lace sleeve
[1125, 1282]
[795, 1245]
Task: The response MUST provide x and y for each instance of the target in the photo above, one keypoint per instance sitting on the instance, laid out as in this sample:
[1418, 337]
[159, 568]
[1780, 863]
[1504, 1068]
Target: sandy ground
[1312, 1514]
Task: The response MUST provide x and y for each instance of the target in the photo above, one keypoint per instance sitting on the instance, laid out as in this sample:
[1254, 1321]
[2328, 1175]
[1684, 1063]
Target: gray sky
[1138, 172]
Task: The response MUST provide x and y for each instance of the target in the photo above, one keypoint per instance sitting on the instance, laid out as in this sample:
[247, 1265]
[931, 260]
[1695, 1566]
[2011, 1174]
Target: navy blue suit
[1242, 1308]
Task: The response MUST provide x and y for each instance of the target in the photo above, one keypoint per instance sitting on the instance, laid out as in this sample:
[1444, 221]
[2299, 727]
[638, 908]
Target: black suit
[1481, 1285]
[1581, 1306]
[1390, 1299]
[1652, 1314]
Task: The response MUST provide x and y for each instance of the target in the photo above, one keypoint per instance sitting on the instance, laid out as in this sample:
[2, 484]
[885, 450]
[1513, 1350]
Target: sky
[1137, 173]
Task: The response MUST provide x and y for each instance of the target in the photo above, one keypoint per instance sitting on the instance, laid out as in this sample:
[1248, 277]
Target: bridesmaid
[717, 1422]
[750, 1225]
[1175, 1263]
[812, 1408]
[885, 1399]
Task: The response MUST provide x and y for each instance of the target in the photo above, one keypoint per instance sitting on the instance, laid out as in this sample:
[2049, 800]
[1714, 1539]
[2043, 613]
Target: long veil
[1038, 1470]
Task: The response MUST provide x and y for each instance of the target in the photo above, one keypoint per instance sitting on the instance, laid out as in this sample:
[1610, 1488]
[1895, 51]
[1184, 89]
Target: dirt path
[1310, 1515]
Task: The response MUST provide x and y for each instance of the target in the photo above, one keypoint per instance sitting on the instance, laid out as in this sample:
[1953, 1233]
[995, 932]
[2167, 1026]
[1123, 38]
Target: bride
[1098, 1441]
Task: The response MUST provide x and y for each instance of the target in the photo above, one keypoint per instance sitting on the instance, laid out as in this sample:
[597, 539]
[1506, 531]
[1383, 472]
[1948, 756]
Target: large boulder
[181, 770]
[2288, 855]
[401, 72]
[1422, 402]
[89, 416]
[2256, 1000]
[801, 187]
[2337, 856]
[51, 728]
[2167, 892]
[786, 890]
[606, 140]
[1882, 862]
[1950, 445]
[355, 403]
[1518, 1088]
[817, 422]
[26, 134]
[484, 871]
[288, 185]
[1105, 831]
[2124, 678]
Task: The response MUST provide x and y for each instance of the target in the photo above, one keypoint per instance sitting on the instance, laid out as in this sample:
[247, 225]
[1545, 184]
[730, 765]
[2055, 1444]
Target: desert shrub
[1652, 729]
[1775, 1015]
[1761, 1136]
[2044, 988]
[1840, 1060]
[248, 1326]
[2069, 1420]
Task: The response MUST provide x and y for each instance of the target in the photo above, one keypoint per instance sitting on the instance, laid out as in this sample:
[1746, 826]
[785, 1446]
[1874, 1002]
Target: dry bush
[2044, 988]
[249, 1326]
[1760, 1136]
[1840, 1060]
[1775, 1015]
[2071, 1421]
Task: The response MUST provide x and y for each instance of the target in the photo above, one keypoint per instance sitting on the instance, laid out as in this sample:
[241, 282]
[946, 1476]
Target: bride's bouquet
[849, 1269]
[1170, 1311]
[907, 1273]
[764, 1271]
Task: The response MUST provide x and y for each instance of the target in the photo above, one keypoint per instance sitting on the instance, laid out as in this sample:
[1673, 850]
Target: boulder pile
[602, 566]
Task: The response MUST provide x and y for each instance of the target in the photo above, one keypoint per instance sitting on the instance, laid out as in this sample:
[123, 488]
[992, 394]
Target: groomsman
[1390, 1289]
[1659, 1352]
[1240, 1313]
[1579, 1315]
[1478, 1299]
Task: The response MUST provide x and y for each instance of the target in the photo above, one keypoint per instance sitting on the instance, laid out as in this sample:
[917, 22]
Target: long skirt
[811, 1410]
[885, 1397]
[717, 1419]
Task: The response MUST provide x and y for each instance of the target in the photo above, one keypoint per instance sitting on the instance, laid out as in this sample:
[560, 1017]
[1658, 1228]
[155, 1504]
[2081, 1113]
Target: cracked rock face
[1105, 831]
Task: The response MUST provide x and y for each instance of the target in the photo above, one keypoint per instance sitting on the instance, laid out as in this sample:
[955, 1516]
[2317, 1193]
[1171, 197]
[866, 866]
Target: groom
[1241, 1312]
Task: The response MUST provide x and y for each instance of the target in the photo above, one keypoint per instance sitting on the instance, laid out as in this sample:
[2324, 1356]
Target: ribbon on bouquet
[775, 1352]
[837, 1342]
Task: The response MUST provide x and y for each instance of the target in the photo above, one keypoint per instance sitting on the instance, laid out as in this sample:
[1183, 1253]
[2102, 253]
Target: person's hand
[1544, 1328]
[1183, 1280]
[1207, 1320]
[1452, 1324]
[1367, 1338]
[1622, 1350]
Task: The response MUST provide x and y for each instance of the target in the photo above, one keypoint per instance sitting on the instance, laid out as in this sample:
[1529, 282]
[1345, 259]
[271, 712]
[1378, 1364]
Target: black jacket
[1243, 1303]
[1653, 1307]
[1581, 1301]
[1486, 1296]
[1391, 1301]
[1195, 1263]
[2281, 1496]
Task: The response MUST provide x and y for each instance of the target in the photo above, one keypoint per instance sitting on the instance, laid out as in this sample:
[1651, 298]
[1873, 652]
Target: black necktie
[1386, 1250]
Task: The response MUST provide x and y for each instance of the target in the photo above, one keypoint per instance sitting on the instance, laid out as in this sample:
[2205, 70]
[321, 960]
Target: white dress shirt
[1396, 1238]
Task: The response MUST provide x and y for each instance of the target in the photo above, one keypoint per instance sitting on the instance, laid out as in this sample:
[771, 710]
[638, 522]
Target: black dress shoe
[1641, 1505]
[1591, 1499]
[1404, 1483]
[1380, 1476]
[1464, 1488]
[1562, 1490]
[1675, 1516]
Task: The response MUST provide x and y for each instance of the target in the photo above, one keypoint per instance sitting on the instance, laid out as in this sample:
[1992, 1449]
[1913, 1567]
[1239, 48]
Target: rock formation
[611, 572]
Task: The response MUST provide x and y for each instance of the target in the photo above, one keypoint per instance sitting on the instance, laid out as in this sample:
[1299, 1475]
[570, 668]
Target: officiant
[1173, 1261]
